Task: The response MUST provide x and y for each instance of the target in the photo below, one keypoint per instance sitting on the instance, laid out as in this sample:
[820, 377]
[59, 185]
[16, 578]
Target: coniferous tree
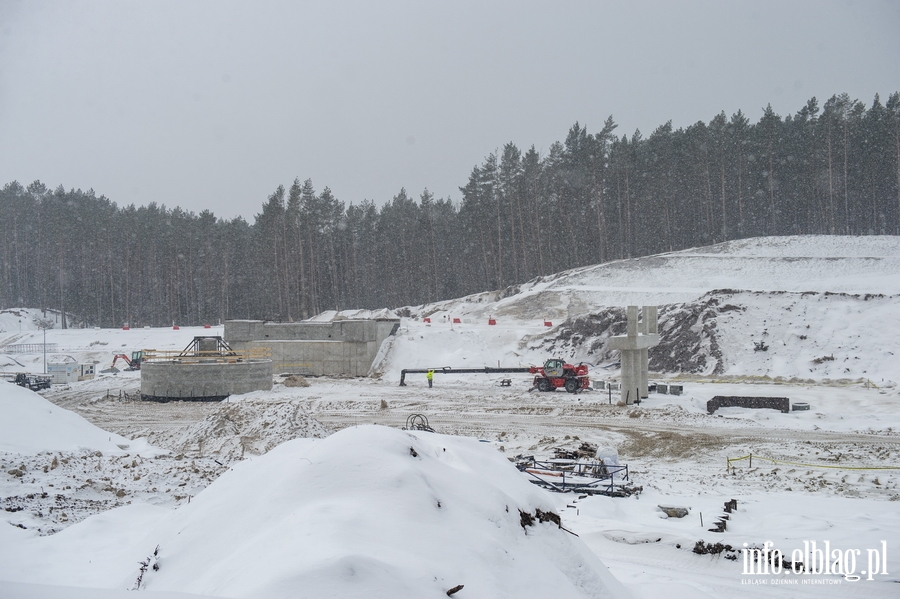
[591, 198]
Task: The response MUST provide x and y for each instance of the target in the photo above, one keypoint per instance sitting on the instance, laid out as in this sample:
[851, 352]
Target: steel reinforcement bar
[451, 370]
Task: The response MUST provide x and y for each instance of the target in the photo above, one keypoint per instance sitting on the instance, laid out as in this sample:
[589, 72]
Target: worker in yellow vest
[429, 375]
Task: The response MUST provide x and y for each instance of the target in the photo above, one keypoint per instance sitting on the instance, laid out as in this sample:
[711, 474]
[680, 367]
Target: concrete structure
[206, 379]
[634, 348]
[760, 403]
[337, 347]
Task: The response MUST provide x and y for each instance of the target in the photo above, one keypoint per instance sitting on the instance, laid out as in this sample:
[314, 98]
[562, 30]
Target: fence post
[751, 459]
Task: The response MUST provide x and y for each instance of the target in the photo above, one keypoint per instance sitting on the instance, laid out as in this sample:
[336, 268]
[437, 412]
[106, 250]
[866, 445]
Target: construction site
[738, 416]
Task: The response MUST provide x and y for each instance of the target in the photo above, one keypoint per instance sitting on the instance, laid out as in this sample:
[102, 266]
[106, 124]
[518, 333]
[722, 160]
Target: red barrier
[175, 327]
[457, 321]
[206, 326]
[492, 321]
[126, 328]
[547, 323]
[426, 319]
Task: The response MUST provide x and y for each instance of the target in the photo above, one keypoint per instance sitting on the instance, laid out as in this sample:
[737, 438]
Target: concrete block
[728, 401]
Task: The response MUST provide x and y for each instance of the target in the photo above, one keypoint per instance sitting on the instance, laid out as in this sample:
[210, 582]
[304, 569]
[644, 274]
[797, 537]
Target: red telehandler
[556, 373]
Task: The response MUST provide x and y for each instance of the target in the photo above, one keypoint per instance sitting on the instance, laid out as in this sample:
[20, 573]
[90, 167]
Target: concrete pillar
[653, 321]
[636, 369]
[631, 315]
[644, 353]
[627, 378]
[633, 348]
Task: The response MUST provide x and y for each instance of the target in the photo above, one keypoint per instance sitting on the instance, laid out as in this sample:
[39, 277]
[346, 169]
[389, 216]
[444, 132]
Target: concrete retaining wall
[212, 381]
[723, 401]
[340, 347]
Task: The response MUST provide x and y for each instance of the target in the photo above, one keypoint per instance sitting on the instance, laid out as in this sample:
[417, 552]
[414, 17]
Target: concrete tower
[633, 347]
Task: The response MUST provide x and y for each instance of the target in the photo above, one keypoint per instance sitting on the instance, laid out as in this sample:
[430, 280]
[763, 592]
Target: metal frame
[193, 353]
[451, 370]
[30, 348]
[603, 477]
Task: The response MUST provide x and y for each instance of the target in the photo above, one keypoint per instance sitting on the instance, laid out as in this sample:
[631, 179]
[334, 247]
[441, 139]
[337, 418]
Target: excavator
[134, 363]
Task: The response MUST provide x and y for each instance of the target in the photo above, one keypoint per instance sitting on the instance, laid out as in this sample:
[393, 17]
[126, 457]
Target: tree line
[592, 198]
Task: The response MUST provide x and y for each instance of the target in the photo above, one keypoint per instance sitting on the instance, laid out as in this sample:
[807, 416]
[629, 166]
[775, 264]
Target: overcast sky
[213, 104]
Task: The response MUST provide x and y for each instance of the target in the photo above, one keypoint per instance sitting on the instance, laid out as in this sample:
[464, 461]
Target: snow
[368, 511]
[641, 545]
[825, 306]
[244, 426]
[259, 497]
[814, 336]
[371, 511]
[31, 424]
[332, 315]
[833, 263]
[18, 590]
[82, 555]
[86, 346]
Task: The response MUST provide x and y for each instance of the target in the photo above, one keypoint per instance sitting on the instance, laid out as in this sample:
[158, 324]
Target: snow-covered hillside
[834, 263]
[790, 307]
[20, 334]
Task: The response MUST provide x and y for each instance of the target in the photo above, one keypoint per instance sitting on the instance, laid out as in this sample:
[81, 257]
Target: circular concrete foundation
[203, 380]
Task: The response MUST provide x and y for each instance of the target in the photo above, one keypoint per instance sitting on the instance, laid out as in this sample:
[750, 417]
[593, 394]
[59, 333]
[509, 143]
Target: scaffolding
[203, 350]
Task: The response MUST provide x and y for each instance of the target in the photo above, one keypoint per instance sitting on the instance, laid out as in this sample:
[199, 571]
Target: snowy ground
[675, 451]
[83, 516]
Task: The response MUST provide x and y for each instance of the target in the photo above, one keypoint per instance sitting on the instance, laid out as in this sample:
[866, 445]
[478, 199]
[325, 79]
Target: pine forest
[592, 198]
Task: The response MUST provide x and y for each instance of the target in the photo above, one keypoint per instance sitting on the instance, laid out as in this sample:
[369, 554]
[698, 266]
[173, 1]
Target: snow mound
[20, 590]
[30, 424]
[332, 315]
[248, 427]
[372, 512]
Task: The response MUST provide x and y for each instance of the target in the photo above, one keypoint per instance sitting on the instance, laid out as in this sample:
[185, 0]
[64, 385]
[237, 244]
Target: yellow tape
[759, 457]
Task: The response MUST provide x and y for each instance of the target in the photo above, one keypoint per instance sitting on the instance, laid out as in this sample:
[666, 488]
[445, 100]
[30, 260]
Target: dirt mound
[295, 380]
[667, 445]
[249, 427]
